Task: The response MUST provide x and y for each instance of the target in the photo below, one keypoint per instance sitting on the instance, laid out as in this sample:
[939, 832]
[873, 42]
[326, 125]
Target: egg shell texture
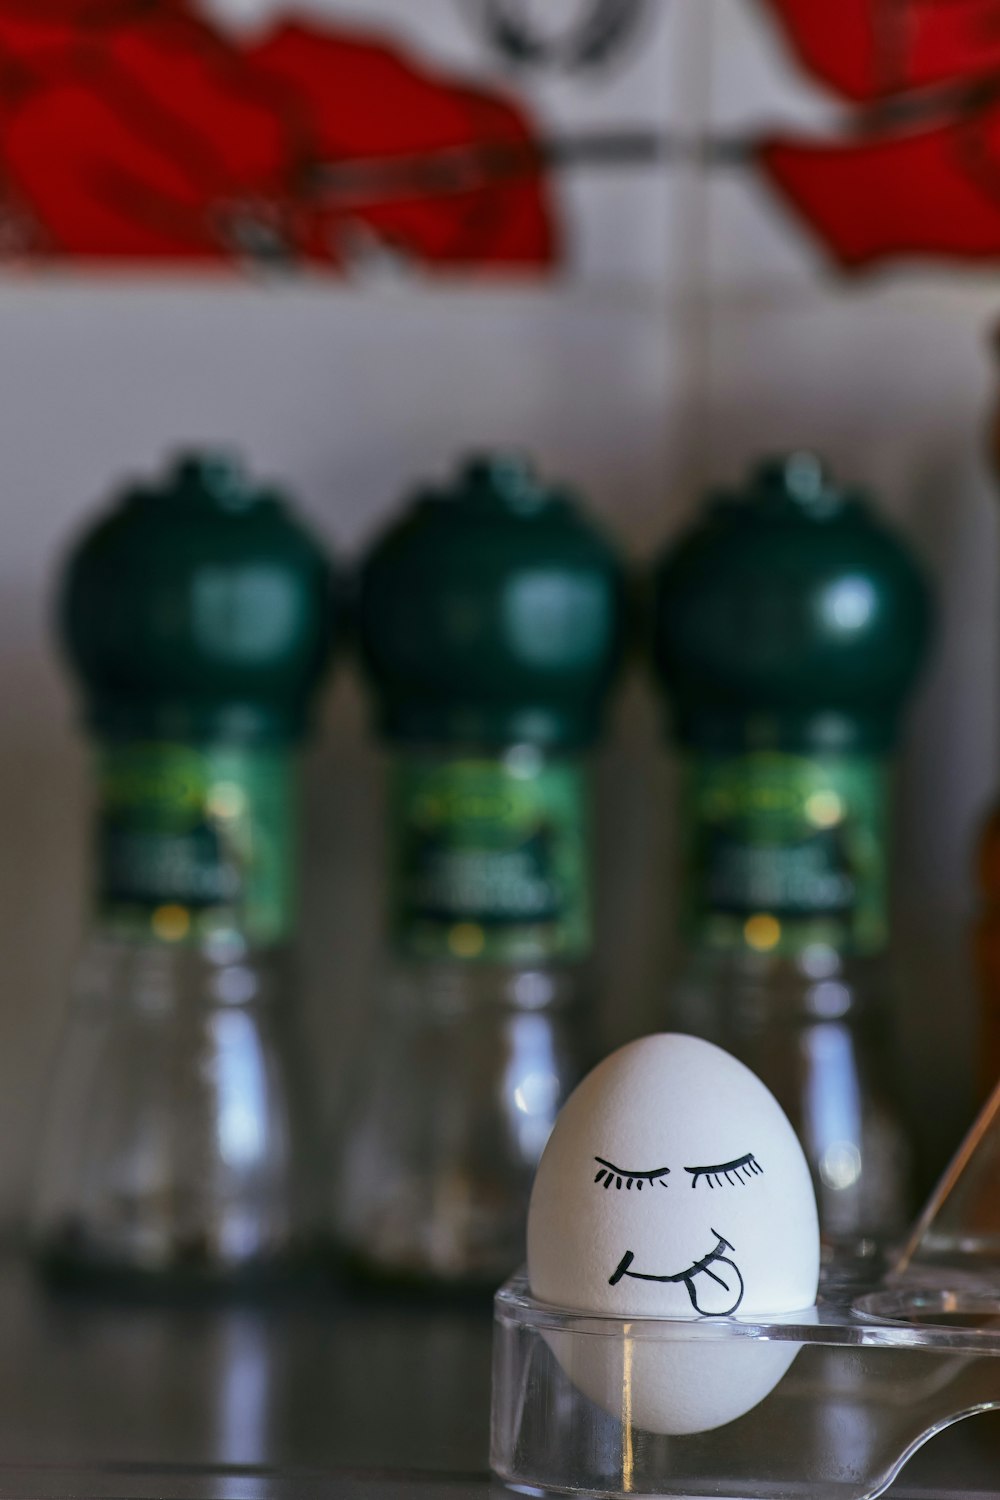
[673, 1185]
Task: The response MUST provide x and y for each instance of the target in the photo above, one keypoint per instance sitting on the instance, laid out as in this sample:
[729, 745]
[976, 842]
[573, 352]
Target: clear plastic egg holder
[855, 1385]
[873, 1377]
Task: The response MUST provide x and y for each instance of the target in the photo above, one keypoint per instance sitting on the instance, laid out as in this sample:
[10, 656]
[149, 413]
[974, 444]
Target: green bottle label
[785, 851]
[193, 842]
[491, 858]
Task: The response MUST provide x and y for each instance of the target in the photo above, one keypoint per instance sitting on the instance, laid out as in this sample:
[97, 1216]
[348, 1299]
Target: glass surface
[465, 1069]
[176, 1137]
[811, 1027]
[834, 1400]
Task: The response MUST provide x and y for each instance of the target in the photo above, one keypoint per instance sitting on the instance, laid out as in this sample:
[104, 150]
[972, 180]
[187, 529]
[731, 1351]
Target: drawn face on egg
[673, 1186]
[713, 1282]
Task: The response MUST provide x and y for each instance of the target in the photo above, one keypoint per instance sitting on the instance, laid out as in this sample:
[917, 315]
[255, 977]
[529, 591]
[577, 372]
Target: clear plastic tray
[848, 1391]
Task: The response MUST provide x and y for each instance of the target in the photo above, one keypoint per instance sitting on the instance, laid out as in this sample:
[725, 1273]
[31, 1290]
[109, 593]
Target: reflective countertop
[325, 1391]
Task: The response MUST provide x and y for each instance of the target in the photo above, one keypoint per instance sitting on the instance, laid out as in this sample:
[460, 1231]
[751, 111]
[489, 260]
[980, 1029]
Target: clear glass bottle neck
[168, 981]
[818, 984]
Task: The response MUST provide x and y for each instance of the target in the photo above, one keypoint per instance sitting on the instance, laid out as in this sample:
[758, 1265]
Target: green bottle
[197, 616]
[490, 623]
[790, 625]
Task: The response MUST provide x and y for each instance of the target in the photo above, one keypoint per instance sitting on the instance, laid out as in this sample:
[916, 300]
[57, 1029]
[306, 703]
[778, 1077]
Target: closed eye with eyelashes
[735, 1172]
[609, 1174]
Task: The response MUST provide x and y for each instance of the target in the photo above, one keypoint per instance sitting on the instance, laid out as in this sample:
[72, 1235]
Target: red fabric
[936, 193]
[920, 175]
[140, 139]
[366, 103]
[42, 35]
[136, 129]
[869, 50]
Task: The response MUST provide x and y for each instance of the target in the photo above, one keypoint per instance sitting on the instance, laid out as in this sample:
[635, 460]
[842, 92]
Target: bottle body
[480, 1025]
[490, 619]
[465, 1071]
[786, 928]
[790, 625]
[175, 1141]
[177, 1136]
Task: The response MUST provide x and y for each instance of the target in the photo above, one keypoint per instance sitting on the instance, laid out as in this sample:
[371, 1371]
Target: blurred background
[645, 241]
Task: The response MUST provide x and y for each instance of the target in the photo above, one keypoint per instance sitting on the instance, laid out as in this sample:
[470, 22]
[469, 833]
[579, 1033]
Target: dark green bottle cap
[492, 613]
[789, 616]
[199, 609]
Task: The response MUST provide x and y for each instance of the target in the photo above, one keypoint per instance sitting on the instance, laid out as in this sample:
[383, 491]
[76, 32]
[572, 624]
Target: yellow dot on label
[466, 939]
[823, 809]
[762, 932]
[226, 800]
[171, 923]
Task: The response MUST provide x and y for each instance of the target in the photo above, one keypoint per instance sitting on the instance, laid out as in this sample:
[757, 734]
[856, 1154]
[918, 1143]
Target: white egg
[673, 1186]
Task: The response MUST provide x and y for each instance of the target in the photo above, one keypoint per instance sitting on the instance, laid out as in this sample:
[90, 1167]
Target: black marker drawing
[739, 1170]
[733, 1288]
[609, 1174]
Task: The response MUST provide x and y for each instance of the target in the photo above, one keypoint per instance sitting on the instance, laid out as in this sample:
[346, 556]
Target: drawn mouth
[723, 1283]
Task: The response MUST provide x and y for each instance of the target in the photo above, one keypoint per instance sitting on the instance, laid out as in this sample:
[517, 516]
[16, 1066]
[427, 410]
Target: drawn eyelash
[740, 1170]
[609, 1174]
